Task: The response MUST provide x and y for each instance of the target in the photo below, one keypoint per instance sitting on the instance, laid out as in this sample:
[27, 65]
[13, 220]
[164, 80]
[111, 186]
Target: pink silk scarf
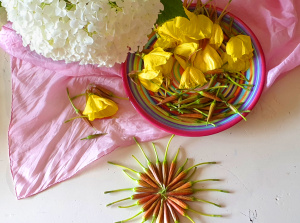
[44, 150]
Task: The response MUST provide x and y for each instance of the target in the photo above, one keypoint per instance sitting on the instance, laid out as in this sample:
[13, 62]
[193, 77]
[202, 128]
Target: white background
[258, 161]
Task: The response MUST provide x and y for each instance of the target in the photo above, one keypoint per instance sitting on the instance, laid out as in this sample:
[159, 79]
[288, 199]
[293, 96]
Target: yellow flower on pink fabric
[98, 107]
[207, 59]
[191, 77]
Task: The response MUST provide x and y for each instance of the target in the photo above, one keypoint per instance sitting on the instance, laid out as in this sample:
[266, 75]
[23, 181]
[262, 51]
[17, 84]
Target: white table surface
[259, 163]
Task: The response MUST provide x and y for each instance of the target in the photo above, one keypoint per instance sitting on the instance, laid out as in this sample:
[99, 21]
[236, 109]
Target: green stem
[127, 198]
[187, 170]
[209, 215]
[181, 167]
[144, 168]
[188, 217]
[127, 168]
[156, 155]
[205, 201]
[118, 190]
[192, 174]
[197, 181]
[201, 112]
[130, 176]
[141, 149]
[93, 136]
[130, 218]
[76, 109]
[71, 119]
[77, 96]
[129, 206]
[165, 159]
[227, 76]
[224, 191]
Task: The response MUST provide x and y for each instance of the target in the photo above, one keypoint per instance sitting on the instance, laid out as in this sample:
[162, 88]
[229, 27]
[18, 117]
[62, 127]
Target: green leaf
[172, 8]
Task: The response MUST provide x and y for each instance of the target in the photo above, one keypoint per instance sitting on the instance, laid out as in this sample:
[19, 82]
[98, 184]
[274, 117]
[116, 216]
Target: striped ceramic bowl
[146, 105]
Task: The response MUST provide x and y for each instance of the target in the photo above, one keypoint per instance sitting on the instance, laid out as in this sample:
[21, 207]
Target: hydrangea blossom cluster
[98, 32]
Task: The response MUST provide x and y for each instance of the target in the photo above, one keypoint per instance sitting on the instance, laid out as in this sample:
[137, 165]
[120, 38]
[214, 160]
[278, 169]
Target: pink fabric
[45, 151]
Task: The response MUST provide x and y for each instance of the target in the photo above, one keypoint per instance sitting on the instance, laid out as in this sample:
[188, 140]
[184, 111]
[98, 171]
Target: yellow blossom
[191, 77]
[166, 69]
[169, 34]
[98, 107]
[166, 42]
[151, 79]
[156, 58]
[197, 27]
[239, 46]
[207, 59]
[184, 51]
[217, 36]
[239, 65]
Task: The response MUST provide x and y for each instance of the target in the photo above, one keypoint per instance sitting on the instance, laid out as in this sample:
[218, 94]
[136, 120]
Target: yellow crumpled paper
[99, 107]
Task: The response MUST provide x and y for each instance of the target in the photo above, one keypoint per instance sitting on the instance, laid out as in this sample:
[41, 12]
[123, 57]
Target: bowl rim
[211, 131]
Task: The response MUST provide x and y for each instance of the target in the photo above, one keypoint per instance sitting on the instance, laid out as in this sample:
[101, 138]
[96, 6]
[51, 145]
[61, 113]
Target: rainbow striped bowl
[146, 105]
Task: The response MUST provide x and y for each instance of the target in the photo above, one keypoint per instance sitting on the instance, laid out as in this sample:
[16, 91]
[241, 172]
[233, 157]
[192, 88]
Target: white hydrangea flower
[99, 32]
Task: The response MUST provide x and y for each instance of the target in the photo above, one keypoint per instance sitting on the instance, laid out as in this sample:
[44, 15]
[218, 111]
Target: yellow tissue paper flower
[191, 77]
[156, 58]
[98, 107]
[183, 52]
[217, 36]
[239, 46]
[151, 79]
[207, 59]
